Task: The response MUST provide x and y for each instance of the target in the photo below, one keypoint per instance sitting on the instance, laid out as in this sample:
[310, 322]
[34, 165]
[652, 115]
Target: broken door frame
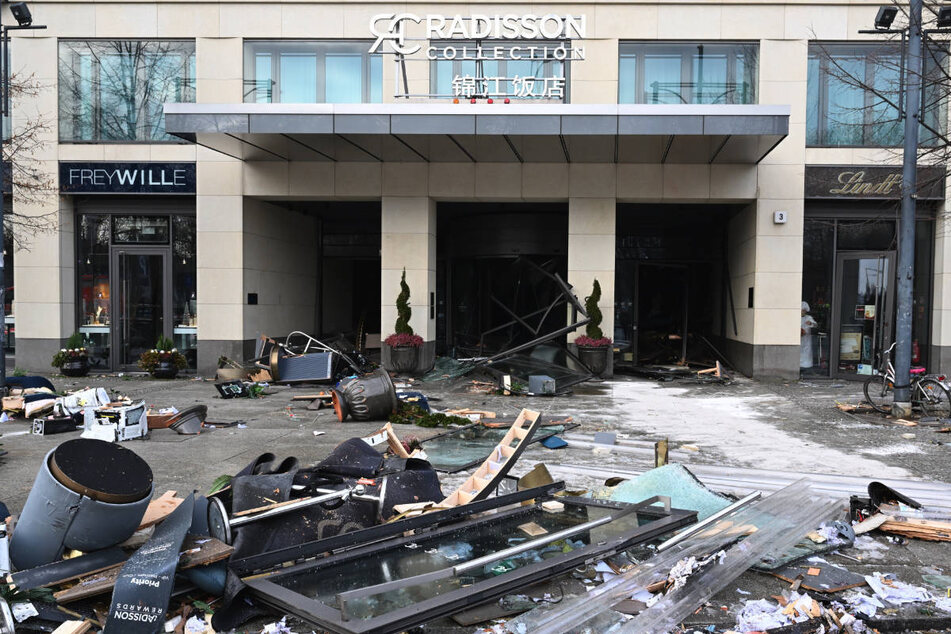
[665, 519]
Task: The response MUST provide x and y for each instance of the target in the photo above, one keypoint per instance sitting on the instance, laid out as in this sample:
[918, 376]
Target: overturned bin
[371, 396]
[89, 494]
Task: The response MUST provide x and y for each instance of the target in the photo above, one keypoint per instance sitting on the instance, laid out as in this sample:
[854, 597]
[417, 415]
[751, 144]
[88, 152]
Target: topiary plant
[75, 341]
[593, 329]
[403, 311]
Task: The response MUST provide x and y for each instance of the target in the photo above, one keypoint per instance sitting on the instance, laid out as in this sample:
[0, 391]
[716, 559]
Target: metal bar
[521, 548]
[293, 506]
[684, 534]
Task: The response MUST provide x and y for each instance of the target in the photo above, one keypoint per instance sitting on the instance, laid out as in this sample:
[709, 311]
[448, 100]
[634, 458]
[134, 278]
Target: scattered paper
[890, 589]
[862, 603]
[277, 628]
[171, 624]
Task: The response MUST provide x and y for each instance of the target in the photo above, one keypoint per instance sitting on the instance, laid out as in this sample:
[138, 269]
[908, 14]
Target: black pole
[906, 227]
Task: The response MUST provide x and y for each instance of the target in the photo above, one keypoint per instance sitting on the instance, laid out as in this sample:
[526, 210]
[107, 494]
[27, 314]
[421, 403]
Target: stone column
[43, 274]
[591, 249]
[777, 270]
[409, 243]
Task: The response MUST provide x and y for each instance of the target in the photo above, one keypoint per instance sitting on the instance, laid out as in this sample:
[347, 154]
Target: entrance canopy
[490, 133]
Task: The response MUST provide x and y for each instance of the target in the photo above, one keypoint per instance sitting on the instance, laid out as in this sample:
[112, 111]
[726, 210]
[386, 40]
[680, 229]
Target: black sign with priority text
[126, 178]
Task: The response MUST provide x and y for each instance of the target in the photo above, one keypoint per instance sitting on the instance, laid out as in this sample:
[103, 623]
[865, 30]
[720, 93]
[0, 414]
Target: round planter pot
[165, 370]
[76, 367]
[594, 358]
[368, 397]
[88, 495]
[403, 359]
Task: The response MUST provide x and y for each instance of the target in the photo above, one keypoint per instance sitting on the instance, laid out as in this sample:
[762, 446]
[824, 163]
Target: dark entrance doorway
[142, 304]
[349, 276]
[493, 275]
[668, 282]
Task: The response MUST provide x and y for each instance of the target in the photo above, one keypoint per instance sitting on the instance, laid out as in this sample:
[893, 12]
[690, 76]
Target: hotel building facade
[222, 170]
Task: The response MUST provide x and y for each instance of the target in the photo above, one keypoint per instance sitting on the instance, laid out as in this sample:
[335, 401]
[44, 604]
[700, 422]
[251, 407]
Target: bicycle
[927, 394]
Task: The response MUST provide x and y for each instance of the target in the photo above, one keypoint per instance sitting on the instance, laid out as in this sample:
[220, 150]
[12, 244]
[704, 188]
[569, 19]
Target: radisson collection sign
[485, 38]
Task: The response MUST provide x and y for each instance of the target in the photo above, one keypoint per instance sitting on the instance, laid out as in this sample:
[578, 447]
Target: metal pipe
[287, 508]
[687, 532]
[515, 550]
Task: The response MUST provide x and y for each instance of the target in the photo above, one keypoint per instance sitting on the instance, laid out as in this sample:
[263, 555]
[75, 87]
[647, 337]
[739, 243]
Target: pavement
[791, 427]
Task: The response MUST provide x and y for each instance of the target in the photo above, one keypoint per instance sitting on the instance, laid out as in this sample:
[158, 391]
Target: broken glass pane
[464, 448]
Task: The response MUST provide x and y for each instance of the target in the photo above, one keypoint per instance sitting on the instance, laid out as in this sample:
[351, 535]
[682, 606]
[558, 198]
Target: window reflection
[116, 90]
[671, 73]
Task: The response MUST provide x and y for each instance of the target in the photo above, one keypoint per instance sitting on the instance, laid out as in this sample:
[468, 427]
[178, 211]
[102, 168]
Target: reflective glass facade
[674, 72]
[290, 71]
[115, 90]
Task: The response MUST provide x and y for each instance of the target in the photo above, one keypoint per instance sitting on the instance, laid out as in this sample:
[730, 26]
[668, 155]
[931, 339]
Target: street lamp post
[911, 97]
[21, 13]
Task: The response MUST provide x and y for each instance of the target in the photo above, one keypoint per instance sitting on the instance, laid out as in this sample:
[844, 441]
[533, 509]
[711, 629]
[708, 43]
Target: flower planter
[165, 370]
[368, 397]
[595, 358]
[403, 359]
[75, 367]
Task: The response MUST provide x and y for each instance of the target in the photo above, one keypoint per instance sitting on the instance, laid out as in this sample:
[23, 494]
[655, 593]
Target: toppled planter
[371, 396]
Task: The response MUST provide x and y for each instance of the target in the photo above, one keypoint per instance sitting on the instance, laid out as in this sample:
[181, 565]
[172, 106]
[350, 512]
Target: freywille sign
[127, 178]
[490, 39]
[870, 182]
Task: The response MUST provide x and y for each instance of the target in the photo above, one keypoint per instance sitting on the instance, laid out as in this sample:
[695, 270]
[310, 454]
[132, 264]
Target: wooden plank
[929, 530]
[196, 551]
[73, 627]
[312, 397]
[160, 508]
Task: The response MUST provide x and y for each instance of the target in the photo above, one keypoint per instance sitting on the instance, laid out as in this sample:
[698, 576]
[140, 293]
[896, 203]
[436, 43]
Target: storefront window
[184, 288]
[116, 90]
[852, 95]
[125, 297]
[848, 284]
[92, 271]
[672, 73]
[140, 229]
[817, 268]
[312, 72]
[521, 72]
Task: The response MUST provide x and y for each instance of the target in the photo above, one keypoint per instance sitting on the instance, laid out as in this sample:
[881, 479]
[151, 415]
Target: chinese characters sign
[522, 87]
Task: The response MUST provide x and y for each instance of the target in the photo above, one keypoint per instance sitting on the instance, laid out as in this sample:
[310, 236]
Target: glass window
[670, 73]
[140, 229]
[523, 71]
[115, 90]
[184, 288]
[312, 71]
[817, 263]
[853, 95]
[92, 271]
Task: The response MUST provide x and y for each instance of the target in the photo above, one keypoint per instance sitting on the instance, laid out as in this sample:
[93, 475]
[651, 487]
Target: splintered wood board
[160, 508]
[208, 552]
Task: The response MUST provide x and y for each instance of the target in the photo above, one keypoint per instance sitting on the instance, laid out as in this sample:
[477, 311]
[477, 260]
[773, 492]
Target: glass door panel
[141, 304]
[864, 285]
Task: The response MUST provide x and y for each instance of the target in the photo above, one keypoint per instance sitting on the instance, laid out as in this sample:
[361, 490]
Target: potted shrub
[403, 344]
[163, 361]
[593, 346]
[73, 360]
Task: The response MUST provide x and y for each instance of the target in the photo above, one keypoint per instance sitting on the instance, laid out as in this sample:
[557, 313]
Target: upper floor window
[282, 71]
[115, 90]
[853, 95]
[520, 69]
[682, 72]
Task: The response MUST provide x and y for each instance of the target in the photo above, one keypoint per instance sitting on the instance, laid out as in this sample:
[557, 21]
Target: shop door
[864, 318]
[142, 305]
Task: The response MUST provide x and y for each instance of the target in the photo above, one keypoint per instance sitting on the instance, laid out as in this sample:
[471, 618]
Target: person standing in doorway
[806, 326]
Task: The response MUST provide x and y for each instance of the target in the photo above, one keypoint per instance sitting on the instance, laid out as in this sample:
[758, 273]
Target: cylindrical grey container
[76, 508]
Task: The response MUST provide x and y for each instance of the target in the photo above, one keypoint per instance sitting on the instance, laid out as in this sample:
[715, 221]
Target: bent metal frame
[654, 521]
